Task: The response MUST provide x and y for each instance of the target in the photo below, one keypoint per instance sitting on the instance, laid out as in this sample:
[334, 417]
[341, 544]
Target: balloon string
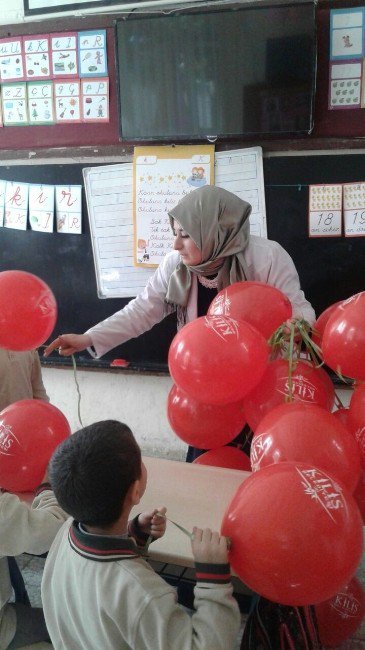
[78, 390]
[184, 530]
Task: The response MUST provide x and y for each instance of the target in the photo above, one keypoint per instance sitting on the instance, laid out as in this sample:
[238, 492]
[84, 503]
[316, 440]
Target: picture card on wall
[346, 33]
[354, 209]
[92, 53]
[67, 100]
[37, 56]
[345, 85]
[95, 99]
[69, 209]
[41, 207]
[11, 59]
[325, 210]
[15, 104]
[40, 102]
[64, 54]
[2, 201]
[16, 205]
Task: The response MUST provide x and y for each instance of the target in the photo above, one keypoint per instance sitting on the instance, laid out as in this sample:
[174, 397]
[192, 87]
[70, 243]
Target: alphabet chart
[68, 208]
[325, 210]
[354, 209]
[16, 205]
[41, 207]
[58, 62]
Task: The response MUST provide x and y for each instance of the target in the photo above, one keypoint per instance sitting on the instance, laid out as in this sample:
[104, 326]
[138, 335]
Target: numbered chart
[354, 209]
[325, 211]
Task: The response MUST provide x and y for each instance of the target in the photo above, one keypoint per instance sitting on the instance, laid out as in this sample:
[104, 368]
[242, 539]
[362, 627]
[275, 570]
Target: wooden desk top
[195, 495]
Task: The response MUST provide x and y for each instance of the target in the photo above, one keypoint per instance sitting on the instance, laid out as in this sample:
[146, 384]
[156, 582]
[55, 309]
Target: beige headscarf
[217, 221]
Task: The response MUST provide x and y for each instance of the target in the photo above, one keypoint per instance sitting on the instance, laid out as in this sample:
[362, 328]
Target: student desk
[194, 495]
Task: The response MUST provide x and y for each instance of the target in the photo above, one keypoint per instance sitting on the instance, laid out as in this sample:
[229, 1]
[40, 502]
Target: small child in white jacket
[24, 528]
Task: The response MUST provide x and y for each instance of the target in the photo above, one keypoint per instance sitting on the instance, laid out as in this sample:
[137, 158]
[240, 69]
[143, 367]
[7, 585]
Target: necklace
[209, 283]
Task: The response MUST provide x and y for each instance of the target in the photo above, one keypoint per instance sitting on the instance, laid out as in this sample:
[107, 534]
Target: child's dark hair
[92, 470]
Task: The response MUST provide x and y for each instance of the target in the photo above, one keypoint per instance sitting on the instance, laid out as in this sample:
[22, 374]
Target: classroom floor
[32, 568]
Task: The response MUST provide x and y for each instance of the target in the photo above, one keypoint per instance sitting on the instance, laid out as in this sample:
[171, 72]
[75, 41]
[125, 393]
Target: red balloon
[230, 457]
[343, 341]
[309, 384]
[309, 434]
[217, 360]
[296, 535]
[340, 616]
[356, 418]
[322, 321]
[359, 495]
[28, 311]
[257, 303]
[342, 414]
[204, 426]
[30, 430]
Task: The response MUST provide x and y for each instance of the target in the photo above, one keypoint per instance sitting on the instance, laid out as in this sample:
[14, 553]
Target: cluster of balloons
[295, 523]
[30, 430]
[215, 361]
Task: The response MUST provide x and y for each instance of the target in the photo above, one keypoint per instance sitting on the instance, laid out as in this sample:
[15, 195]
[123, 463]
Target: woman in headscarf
[213, 248]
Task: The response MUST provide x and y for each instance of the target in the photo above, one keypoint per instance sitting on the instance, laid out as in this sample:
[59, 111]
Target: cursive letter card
[40, 102]
[15, 104]
[37, 56]
[41, 207]
[67, 100]
[64, 54]
[16, 205]
[11, 59]
[68, 209]
[92, 54]
[95, 100]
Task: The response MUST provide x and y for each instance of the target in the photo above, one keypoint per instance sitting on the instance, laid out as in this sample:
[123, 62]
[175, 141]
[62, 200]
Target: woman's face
[191, 255]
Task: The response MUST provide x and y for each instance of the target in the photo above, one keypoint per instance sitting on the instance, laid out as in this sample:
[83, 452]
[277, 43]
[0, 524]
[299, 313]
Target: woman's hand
[68, 344]
[153, 523]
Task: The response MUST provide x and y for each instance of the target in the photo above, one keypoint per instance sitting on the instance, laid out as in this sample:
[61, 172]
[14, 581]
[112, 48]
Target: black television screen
[228, 72]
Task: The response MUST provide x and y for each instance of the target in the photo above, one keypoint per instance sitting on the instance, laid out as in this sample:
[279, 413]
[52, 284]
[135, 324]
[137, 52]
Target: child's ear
[135, 492]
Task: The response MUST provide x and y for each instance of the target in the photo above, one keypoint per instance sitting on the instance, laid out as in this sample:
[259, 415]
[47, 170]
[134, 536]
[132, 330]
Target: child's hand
[209, 546]
[151, 524]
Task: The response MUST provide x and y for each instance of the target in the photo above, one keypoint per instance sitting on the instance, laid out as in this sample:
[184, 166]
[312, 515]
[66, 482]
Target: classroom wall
[136, 399]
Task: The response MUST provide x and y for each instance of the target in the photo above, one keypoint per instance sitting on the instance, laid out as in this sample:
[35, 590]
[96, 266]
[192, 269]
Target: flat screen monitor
[237, 71]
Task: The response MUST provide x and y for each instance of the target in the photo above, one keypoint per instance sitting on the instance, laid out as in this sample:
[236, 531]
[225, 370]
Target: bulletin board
[66, 134]
[330, 268]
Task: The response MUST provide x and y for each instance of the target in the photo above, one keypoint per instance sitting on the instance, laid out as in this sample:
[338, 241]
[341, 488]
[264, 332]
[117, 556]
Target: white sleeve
[215, 624]
[141, 313]
[282, 274]
[29, 528]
